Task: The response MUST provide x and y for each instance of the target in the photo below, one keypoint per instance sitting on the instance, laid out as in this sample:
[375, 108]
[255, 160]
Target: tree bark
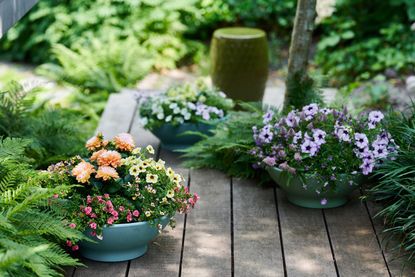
[299, 49]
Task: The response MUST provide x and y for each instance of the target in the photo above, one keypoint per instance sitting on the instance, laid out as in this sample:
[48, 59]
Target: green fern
[30, 231]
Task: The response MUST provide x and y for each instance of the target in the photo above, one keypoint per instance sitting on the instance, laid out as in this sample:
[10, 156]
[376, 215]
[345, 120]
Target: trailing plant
[31, 232]
[186, 103]
[228, 147]
[54, 134]
[396, 188]
[119, 183]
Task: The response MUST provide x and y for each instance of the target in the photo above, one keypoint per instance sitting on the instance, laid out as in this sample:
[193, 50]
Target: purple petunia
[374, 118]
[310, 111]
[309, 147]
[267, 117]
[342, 132]
[361, 140]
[319, 136]
[269, 161]
[292, 119]
[367, 166]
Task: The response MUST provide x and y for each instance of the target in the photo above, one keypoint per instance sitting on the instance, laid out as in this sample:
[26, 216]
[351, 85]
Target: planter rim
[126, 225]
[308, 174]
[206, 122]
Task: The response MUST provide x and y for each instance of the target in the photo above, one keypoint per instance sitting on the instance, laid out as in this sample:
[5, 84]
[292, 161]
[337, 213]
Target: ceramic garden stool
[239, 62]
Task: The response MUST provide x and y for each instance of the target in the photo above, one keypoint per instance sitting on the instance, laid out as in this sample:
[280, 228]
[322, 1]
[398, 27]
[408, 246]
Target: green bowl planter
[173, 137]
[297, 194]
[121, 242]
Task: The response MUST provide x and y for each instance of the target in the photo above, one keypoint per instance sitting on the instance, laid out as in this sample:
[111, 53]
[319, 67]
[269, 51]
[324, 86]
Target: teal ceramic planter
[304, 194]
[172, 137]
[121, 242]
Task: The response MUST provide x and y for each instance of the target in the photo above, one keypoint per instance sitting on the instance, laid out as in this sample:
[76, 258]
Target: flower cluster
[120, 183]
[183, 104]
[323, 142]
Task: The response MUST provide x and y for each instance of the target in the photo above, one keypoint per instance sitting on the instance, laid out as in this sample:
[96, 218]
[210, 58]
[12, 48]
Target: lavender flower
[323, 201]
[292, 119]
[297, 137]
[269, 161]
[342, 132]
[310, 111]
[319, 136]
[361, 140]
[374, 117]
[326, 111]
[367, 166]
[309, 147]
[267, 117]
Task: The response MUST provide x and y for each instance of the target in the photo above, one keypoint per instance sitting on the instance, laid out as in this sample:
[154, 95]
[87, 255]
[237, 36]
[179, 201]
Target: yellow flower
[170, 193]
[147, 213]
[145, 164]
[151, 178]
[136, 150]
[164, 200]
[136, 169]
[150, 149]
[170, 172]
[177, 179]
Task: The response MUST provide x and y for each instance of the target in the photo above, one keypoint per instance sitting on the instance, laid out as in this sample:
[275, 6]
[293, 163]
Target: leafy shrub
[363, 38]
[396, 189]
[54, 134]
[30, 231]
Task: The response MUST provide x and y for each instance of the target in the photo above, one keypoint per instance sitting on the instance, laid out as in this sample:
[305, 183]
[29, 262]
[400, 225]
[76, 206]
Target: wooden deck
[241, 229]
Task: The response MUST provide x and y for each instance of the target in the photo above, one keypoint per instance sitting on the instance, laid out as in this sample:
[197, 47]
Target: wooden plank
[307, 249]
[355, 245]
[396, 265]
[117, 115]
[255, 231]
[101, 269]
[164, 254]
[207, 247]
[12, 11]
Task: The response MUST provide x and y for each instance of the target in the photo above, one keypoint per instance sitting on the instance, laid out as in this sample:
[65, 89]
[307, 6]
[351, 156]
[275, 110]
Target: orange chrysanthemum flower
[94, 143]
[96, 154]
[83, 171]
[106, 172]
[110, 158]
[124, 142]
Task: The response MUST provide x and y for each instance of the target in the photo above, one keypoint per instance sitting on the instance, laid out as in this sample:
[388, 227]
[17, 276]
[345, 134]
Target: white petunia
[168, 118]
[160, 116]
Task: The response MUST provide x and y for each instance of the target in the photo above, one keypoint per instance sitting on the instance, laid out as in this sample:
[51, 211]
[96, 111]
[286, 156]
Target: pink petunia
[110, 220]
[136, 213]
[75, 248]
[121, 208]
[88, 210]
[72, 225]
[68, 243]
[93, 225]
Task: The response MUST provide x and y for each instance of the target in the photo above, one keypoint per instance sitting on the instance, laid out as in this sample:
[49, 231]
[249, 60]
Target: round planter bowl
[293, 188]
[121, 242]
[172, 137]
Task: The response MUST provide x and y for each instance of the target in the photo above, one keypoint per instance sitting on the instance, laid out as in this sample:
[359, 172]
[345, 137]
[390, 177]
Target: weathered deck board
[117, 115]
[306, 246]
[207, 248]
[257, 245]
[101, 269]
[354, 242]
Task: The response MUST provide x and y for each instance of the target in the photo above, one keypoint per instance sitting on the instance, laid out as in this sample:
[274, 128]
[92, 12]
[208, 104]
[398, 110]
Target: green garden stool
[239, 62]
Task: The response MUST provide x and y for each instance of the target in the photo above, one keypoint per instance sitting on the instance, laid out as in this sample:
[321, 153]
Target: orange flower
[124, 142]
[96, 154]
[107, 172]
[112, 158]
[94, 143]
[83, 171]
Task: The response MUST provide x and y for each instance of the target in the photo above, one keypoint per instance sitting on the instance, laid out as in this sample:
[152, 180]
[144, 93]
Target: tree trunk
[299, 52]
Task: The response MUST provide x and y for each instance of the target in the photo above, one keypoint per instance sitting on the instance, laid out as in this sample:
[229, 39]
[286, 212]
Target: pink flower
[93, 225]
[121, 208]
[68, 243]
[72, 225]
[109, 205]
[106, 195]
[114, 213]
[93, 233]
[196, 197]
[55, 195]
[93, 215]
[75, 248]
[129, 217]
[110, 220]
[87, 210]
[136, 213]
[88, 199]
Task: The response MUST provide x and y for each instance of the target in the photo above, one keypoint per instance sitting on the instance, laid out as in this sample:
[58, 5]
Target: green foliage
[364, 38]
[227, 149]
[99, 67]
[301, 91]
[54, 134]
[396, 189]
[30, 231]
